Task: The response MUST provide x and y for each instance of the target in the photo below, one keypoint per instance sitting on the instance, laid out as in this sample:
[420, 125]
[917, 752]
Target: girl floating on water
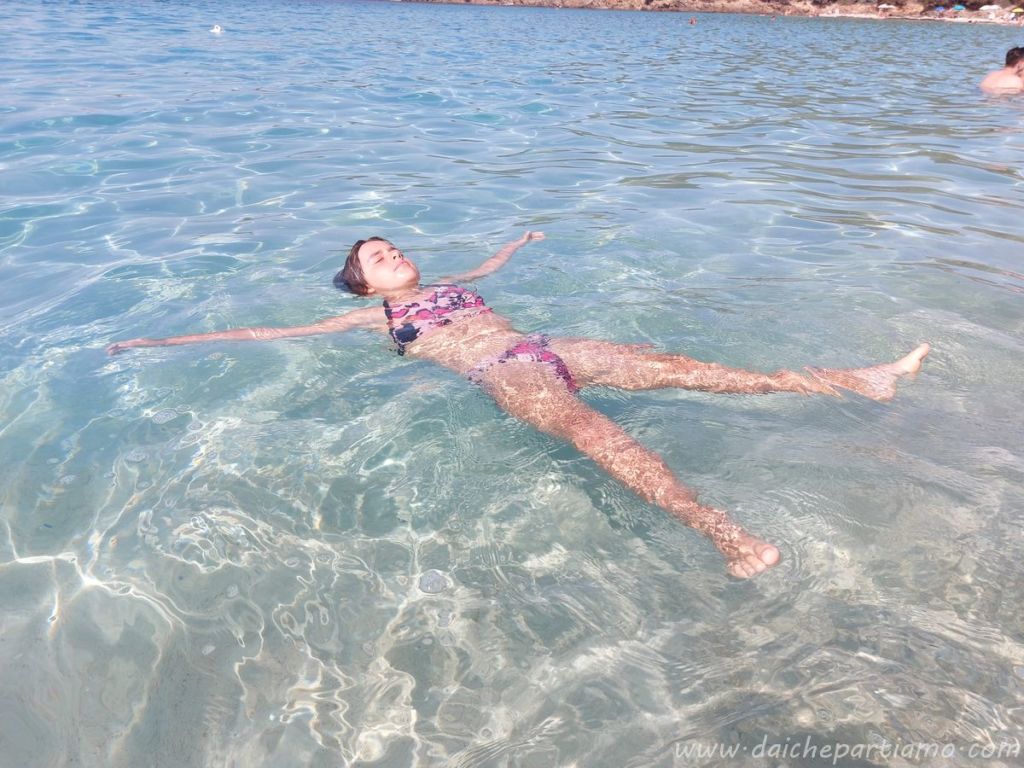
[536, 378]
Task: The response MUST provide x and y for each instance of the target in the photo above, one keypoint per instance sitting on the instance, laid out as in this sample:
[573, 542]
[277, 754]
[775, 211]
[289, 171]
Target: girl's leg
[531, 392]
[631, 366]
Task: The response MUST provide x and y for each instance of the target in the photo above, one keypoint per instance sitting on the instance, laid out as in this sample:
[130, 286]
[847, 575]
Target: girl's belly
[462, 345]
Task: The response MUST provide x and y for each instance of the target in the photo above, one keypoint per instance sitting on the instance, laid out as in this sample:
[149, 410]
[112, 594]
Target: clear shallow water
[314, 553]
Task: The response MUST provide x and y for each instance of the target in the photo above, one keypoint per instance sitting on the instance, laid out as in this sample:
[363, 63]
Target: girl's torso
[449, 325]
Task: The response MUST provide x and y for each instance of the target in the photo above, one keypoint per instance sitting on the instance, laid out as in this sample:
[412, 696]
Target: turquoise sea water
[314, 553]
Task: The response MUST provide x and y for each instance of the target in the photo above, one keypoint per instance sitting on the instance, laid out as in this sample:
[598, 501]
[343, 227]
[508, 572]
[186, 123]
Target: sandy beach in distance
[911, 10]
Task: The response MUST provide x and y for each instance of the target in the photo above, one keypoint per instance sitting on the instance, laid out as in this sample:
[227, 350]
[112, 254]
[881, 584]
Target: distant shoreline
[911, 10]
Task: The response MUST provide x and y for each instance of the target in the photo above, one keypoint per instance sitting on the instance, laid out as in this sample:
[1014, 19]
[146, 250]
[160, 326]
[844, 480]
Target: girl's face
[385, 268]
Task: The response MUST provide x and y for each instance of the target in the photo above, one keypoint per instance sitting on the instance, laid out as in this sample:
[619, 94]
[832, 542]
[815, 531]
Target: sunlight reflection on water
[312, 552]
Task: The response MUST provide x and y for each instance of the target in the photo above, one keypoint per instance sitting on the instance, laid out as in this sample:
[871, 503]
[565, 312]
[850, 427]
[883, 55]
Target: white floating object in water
[217, 29]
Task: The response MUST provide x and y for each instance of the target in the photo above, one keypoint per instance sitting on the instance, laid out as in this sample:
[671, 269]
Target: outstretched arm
[497, 260]
[357, 318]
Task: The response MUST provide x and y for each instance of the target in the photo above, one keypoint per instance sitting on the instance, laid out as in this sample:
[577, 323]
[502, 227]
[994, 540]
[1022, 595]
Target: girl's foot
[748, 556]
[877, 382]
[745, 555]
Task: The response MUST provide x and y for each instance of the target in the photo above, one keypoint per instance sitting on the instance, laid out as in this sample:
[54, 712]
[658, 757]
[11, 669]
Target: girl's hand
[530, 236]
[121, 346]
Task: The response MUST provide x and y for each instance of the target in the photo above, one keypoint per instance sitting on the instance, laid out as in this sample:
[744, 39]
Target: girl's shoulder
[368, 317]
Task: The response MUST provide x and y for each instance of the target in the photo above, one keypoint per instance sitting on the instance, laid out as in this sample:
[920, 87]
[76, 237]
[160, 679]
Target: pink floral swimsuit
[449, 302]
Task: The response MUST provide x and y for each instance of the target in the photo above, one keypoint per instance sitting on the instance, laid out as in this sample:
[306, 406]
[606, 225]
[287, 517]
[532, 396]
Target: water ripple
[314, 552]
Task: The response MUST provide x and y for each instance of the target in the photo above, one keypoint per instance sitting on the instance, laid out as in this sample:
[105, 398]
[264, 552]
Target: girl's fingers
[121, 346]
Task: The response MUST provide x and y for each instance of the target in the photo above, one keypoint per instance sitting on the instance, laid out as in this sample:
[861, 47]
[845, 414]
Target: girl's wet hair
[350, 276]
[1014, 56]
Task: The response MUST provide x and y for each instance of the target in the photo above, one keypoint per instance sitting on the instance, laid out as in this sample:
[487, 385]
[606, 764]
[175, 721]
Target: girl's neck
[401, 294]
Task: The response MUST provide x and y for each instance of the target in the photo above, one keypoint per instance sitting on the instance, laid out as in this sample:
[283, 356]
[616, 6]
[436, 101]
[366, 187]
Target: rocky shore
[903, 9]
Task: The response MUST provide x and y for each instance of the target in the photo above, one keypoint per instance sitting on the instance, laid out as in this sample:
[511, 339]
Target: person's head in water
[375, 265]
[1015, 57]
